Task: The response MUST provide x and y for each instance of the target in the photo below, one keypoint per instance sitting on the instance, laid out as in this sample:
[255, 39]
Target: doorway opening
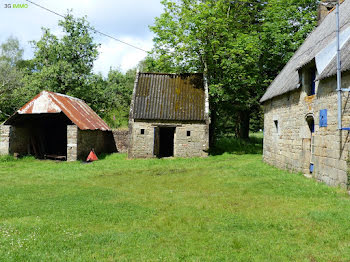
[164, 141]
[311, 123]
[43, 136]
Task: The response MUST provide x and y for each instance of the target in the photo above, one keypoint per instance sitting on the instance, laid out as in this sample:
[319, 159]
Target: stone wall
[72, 142]
[100, 141]
[121, 138]
[20, 140]
[14, 140]
[5, 139]
[195, 145]
[289, 145]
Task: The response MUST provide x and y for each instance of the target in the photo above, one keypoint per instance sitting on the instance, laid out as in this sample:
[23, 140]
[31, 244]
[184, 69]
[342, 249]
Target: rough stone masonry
[291, 144]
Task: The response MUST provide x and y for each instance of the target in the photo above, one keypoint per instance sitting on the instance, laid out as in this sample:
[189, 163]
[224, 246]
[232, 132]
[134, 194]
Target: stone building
[55, 126]
[169, 116]
[300, 107]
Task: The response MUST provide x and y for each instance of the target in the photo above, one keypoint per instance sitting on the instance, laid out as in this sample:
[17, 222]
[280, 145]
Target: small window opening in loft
[276, 125]
[300, 78]
[142, 131]
[188, 133]
[312, 84]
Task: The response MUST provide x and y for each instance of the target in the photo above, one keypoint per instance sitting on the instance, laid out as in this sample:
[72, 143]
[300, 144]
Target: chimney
[323, 9]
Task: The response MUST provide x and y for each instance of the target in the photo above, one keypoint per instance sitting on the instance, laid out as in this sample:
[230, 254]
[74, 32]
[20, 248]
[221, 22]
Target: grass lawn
[228, 207]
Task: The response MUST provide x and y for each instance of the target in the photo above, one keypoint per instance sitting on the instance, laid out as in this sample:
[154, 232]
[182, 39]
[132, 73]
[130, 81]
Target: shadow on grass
[233, 145]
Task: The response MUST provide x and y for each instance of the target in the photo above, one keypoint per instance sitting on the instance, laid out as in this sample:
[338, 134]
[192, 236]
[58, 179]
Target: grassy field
[227, 207]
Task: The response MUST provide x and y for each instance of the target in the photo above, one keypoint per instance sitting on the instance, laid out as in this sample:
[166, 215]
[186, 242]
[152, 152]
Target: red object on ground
[92, 157]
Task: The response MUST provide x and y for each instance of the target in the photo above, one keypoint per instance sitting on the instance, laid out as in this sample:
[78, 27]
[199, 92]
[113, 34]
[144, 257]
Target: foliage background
[241, 46]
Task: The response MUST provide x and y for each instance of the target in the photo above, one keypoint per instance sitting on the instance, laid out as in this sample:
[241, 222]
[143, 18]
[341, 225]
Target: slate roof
[320, 38]
[177, 97]
[75, 109]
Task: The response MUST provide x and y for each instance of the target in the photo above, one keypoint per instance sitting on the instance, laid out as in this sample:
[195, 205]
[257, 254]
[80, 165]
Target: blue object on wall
[311, 167]
[323, 117]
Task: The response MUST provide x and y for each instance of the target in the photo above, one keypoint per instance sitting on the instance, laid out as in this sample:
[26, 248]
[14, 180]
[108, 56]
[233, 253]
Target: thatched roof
[320, 39]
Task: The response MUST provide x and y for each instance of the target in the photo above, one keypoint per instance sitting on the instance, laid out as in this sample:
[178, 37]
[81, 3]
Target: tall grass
[233, 145]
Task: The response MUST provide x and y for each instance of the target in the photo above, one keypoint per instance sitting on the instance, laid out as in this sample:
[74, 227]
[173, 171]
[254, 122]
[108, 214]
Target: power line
[92, 29]
[268, 3]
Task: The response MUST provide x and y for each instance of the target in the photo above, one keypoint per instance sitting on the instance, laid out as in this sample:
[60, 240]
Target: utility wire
[92, 29]
[268, 3]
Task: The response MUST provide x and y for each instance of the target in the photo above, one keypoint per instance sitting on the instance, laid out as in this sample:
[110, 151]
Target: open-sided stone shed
[300, 107]
[169, 116]
[58, 126]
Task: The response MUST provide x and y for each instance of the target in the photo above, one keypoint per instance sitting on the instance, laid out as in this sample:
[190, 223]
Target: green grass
[232, 145]
[227, 207]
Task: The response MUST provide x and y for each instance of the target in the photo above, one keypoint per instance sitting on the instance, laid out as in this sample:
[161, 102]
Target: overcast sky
[127, 20]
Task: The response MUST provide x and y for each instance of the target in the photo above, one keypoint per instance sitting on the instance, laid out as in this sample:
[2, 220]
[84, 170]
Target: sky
[127, 20]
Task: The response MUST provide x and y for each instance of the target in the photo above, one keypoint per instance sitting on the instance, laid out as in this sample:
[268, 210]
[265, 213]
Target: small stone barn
[55, 126]
[169, 116]
[300, 107]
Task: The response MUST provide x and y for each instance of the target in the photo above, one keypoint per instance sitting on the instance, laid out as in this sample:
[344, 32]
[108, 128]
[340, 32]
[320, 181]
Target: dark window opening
[188, 133]
[142, 131]
[311, 85]
[164, 146]
[311, 124]
[276, 125]
[300, 78]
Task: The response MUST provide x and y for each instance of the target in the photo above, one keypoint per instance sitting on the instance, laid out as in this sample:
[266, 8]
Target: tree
[65, 64]
[118, 93]
[237, 44]
[11, 52]
[11, 85]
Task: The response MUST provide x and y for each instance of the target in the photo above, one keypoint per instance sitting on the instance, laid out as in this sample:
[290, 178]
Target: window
[188, 133]
[311, 123]
[276, 125]
[300, 78]
[312, 81]
[142, 131]
[310, 85]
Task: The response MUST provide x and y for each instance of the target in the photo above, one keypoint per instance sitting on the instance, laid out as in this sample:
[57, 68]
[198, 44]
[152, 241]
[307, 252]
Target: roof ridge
[159, 73]
[64, 95]
[318, 39]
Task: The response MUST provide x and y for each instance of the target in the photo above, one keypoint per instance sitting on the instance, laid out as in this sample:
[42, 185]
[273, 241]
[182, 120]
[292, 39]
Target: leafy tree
[155, 63]
[240, 45]
[118, 93]
[11, 85]
[11, 52]
[64, 64]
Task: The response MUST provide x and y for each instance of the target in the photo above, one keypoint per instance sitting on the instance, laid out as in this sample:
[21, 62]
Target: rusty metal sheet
[170, 97]
[75, 109]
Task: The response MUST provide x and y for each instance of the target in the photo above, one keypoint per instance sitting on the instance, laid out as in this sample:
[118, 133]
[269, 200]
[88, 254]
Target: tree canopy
[11, 76]
[241, 46]
[64, 64]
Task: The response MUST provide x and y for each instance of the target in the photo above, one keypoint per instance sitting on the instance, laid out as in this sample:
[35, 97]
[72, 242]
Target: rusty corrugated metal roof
[75, 109]
[169, 97]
